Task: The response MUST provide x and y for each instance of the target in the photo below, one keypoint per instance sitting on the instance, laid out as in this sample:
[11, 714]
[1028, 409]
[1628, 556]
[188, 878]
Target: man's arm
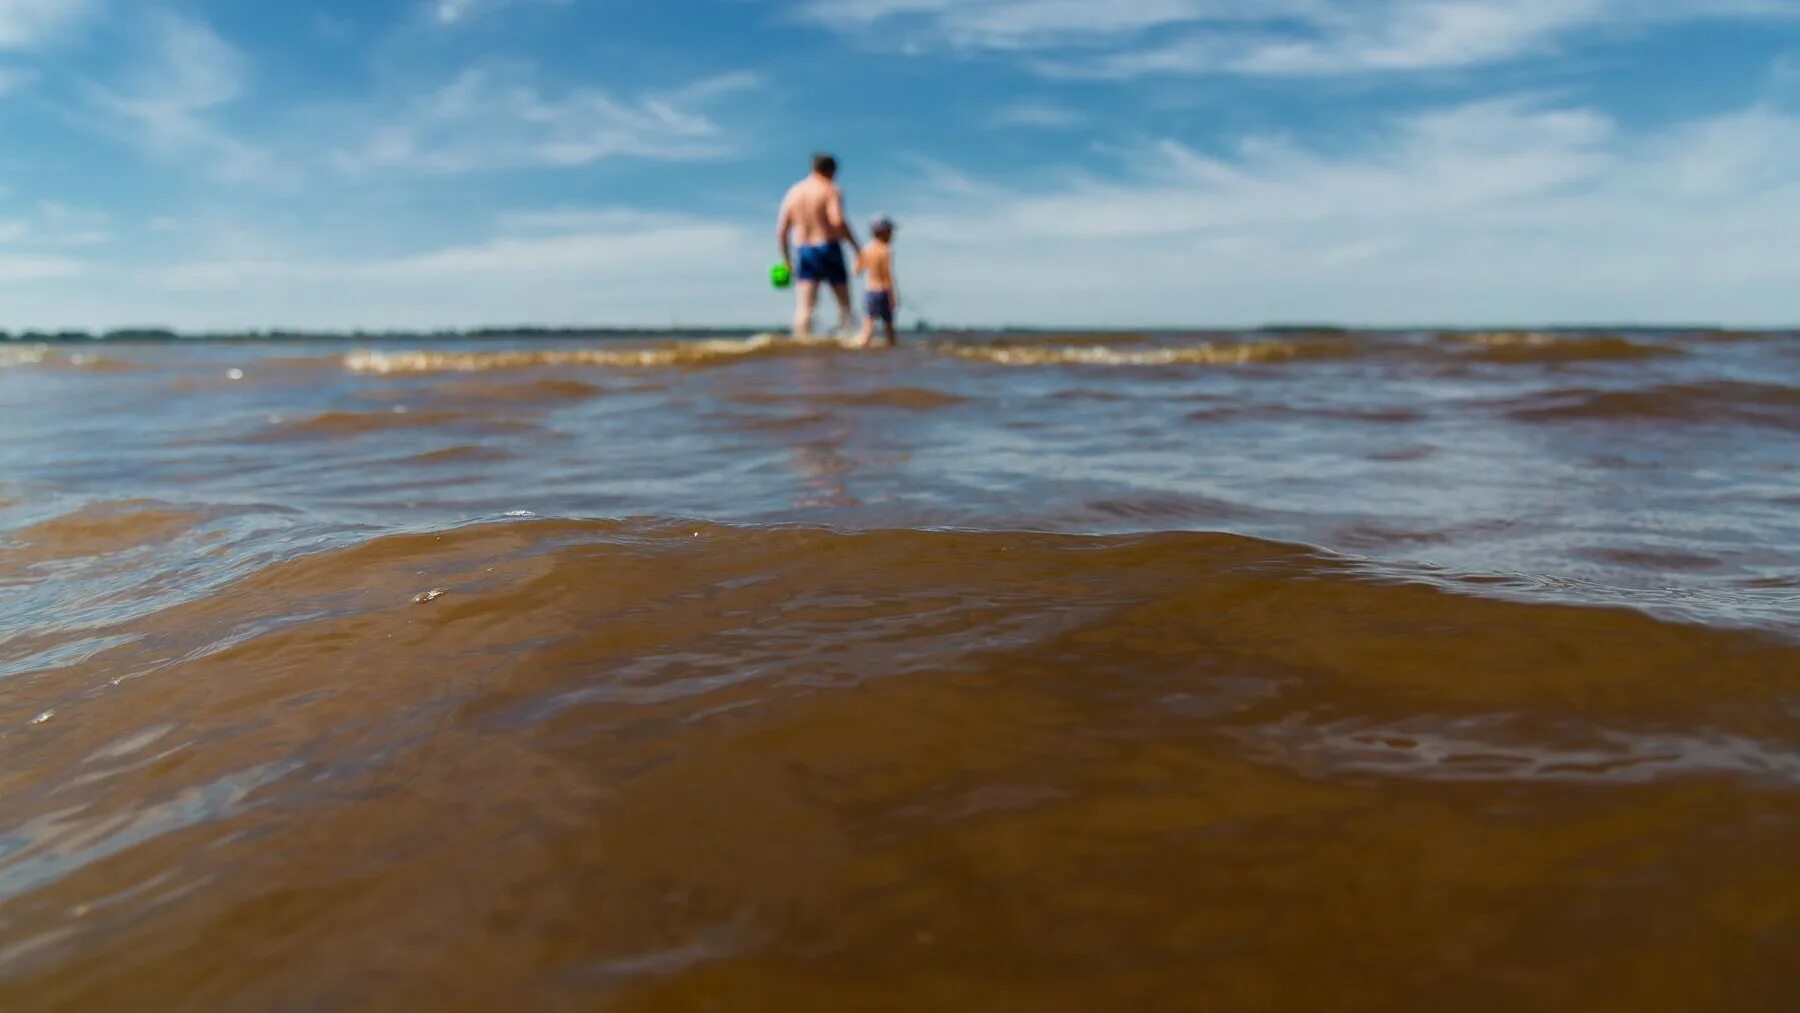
[836, 218]
[784, 226]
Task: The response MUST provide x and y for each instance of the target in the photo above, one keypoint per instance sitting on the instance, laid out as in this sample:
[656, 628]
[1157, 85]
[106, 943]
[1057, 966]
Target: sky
[224, 164]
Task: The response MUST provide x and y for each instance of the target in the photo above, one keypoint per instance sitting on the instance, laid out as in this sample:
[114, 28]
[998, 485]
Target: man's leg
[806, 296]
[846, 315]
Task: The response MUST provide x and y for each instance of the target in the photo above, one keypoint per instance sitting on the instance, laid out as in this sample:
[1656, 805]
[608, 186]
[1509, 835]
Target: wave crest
[674, 353]
[1539, 346]
[1211, 353]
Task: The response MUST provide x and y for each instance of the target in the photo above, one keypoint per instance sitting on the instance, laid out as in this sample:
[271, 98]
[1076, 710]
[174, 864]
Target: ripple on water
[1718, 401]
[372, 754]
[337, 425]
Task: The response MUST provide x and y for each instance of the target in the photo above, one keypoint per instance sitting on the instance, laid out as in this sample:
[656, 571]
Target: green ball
[780, 276]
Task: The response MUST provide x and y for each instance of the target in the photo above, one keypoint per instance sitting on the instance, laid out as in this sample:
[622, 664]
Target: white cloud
[1401, 37]
[582, 219]
[171, 103]
[1494, 212]
[601, 254]
[52, 225]
[27, 24]
[1259, 37]
[577, 265]
[1007, 24]
[1041, 115]
[1742, 152]
[21, 268]
[61, 225]
[1499, 212]
[494, 117]
[14, 79]
[1441, 163]
[451, 12]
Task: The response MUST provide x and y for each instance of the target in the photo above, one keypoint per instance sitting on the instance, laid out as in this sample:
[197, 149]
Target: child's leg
[867, 337]
[888, 325]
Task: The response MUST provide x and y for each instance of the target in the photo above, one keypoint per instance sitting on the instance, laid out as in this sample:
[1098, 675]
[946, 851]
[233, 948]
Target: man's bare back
[813, 211]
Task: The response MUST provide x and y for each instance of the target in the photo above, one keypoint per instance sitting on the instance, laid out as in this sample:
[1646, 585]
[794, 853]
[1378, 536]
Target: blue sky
[412, 163]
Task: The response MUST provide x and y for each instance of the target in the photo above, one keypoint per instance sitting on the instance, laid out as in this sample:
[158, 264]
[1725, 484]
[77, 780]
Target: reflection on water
[1048, 672]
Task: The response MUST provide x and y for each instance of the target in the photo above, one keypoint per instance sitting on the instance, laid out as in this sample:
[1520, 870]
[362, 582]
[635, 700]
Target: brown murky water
[1229, 672]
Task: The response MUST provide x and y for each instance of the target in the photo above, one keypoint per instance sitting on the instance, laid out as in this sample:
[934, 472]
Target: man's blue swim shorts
[823, 262]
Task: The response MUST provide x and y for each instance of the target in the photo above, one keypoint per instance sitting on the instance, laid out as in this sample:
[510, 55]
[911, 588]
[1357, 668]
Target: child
[877, 260]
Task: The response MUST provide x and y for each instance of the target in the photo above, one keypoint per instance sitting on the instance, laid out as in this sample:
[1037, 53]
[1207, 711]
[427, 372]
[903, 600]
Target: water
[1232, 671]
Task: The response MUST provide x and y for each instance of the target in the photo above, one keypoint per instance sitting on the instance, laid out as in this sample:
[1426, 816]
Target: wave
[1727, 401]
[673, 353]
[909, 398]
[1106, 351]
[13, 356]
[1211, 353]
[96, 530]
[333, 425]
[1231, 411]
[1484, 748]
[462, 453]
[777, 740]
[86, 573]
[1098, 350]
[535, 391]
[1148, 508]
[518, 582]
[1542, 347]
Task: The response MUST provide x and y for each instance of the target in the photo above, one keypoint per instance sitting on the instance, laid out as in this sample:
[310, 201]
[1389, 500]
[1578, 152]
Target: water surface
[1307, 670]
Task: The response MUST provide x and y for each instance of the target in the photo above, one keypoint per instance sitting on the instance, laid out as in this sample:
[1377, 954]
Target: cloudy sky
[405, 163]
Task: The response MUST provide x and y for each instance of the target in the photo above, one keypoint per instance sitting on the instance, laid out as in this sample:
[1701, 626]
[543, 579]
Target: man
[812, 216]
